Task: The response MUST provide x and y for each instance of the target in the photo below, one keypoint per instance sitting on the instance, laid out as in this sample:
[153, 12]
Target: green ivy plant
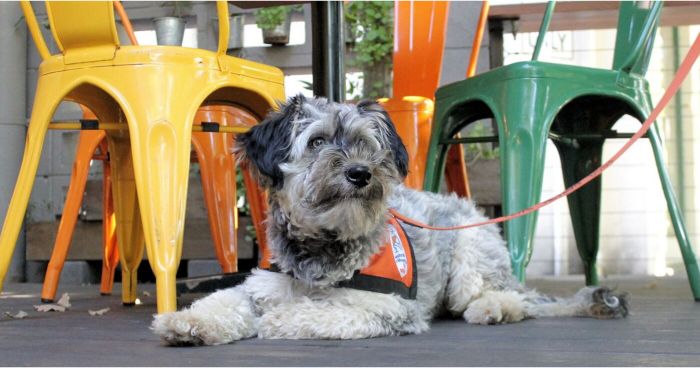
[271, 17]
[480, 151]
[371, 25]
[44, 22]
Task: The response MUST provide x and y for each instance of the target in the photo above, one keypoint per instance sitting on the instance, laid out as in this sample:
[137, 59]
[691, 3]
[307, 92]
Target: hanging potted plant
[171, 30]
[236, 30]
[276, 22]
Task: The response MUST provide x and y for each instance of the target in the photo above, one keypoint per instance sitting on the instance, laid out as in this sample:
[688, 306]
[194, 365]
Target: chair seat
[153, 55]
[583, 77]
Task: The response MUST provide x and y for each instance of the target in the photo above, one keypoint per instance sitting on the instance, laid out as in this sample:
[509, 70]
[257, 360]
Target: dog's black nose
[358, 175]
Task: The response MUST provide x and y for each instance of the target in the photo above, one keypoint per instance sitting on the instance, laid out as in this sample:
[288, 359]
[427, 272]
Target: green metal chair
[574, 106]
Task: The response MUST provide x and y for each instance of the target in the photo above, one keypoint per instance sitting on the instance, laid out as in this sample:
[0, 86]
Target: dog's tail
[596, 302]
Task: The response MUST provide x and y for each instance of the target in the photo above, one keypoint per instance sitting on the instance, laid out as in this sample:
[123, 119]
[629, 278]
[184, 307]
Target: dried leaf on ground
[64, 301]
[651, 285]
[98, 312]
[19, 315]
[49, 308]
[146, 293]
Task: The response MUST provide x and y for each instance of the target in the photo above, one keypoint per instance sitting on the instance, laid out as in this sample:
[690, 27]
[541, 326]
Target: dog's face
[329, 166]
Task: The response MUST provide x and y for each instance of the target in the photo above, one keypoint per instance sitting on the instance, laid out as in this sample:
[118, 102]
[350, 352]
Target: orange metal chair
[146, 98]
[90, 140]
[213, 152]
[419, 43]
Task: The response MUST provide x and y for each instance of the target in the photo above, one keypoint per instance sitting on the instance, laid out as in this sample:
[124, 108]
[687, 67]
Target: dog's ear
[266, 145]
[393, 140]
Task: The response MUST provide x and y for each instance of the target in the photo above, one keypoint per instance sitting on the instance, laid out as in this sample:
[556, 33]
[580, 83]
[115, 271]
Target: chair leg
[161, 142]
[218, 169]
[81, 166]
[691, 261]
[523, 145]
[110, 249]
[584, 204]
[41, 115]
[437, 153]
[258, 211]
[130, 234]
[456, 171]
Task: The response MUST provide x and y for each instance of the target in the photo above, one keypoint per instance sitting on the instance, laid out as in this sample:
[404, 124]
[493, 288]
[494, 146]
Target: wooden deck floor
[663, 330]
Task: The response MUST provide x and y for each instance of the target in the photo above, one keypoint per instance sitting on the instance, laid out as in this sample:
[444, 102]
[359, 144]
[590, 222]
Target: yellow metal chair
[213, 153]
[154, 92]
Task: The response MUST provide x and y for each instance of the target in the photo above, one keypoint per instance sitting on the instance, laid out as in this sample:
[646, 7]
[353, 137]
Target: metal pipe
[74, 125]
[478, 37]
[564, 138]
[328, 50]
[678, 102]
[543, 29]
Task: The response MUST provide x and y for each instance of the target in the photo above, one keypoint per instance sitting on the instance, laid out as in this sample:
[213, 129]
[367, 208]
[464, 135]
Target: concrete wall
[13, 58]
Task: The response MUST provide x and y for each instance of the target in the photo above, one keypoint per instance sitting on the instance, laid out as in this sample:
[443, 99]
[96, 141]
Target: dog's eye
[317, 142]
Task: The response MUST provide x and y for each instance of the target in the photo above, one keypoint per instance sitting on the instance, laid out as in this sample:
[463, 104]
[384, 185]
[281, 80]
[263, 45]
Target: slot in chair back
[636, 29]
[84, 30]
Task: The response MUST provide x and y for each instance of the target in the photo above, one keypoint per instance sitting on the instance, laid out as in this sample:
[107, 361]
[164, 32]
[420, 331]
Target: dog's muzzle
[358, 175]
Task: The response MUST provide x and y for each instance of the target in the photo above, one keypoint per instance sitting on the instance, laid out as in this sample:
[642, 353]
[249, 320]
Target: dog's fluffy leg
[495, 307]
[220, 318]
[348, 315]
[465, 282]
[596, 302]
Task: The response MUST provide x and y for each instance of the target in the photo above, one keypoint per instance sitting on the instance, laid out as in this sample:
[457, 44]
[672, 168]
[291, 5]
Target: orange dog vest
[391, 271]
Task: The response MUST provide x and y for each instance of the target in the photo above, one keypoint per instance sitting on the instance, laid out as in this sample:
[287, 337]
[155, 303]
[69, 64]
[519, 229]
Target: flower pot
[280, 34]
[485, 181]
[169, 30]
[236, 30]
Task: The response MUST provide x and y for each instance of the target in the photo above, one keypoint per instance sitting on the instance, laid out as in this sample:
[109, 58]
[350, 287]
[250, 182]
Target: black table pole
[328, 50]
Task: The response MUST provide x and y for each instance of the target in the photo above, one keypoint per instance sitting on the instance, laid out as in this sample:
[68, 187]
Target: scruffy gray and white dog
[333, 171]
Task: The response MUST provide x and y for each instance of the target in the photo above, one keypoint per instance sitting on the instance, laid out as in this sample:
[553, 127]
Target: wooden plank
[580, 15]
[87, 240]
[263, 4]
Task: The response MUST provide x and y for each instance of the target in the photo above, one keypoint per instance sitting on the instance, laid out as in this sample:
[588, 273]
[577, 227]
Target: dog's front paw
[483, 312]
[495, 308]
[185, 328]
[177, 329]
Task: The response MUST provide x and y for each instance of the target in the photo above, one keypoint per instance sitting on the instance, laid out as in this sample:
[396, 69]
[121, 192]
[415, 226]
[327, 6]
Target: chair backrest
[636, 29]
[84, 30]
[419, 41]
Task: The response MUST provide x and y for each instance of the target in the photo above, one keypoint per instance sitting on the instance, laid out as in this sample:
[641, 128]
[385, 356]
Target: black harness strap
[376, 284]
[89, 124]
[208, 126]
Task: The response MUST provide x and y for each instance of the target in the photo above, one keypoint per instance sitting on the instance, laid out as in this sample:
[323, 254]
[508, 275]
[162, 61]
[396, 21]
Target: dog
[332, 171]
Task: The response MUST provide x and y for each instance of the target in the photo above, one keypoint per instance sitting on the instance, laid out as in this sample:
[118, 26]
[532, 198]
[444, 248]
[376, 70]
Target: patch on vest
[397, 250]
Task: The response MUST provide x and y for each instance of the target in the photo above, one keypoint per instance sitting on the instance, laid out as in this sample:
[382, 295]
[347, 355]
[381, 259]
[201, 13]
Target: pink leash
[678, 79]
